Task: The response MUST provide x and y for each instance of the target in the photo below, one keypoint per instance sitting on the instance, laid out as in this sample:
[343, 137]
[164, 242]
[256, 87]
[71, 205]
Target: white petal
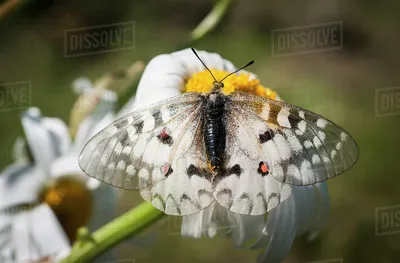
[223, 221]
[19, 151]
[190, 64]
[197, 224]
[6, 248]
[249, 228]
[209, 222]
[165, 75]
[161, 79]
[20, 184]
[37, 234]
[93, 183]
[47, 138]
[312, 209]
[59, 130]
[279, 232]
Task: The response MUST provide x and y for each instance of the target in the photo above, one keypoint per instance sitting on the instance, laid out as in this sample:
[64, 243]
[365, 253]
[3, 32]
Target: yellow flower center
[202, 82]
[71, 202]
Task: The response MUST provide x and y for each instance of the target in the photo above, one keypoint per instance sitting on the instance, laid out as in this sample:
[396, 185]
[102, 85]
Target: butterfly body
[214, 129]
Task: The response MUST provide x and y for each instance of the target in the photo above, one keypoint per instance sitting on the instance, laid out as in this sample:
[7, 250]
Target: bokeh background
[339, 84]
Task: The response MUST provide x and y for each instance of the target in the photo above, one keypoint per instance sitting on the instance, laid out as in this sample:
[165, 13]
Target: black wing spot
[294, 118]
[273, 195]
[193, 170]
[139, 126]
[125, 138]
[223, 173]
[121, 123]
[246, 196]
[236, 169]
[157, 118]
[184, 197]
[266, 136]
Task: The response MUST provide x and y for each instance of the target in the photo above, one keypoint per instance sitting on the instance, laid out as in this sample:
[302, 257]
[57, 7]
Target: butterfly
[240, 150]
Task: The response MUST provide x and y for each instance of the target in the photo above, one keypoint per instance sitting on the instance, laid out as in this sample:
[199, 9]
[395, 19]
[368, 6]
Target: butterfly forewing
[137, 150]
[301, 147]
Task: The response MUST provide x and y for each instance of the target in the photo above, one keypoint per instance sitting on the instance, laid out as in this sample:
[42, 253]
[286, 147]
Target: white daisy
[20, 185]
[169, 75]
[33, 222]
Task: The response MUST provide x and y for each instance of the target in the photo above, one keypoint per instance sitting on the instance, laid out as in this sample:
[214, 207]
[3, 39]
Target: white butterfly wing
[188, 189]
[243, 189]
[303, 148]
[136, 151]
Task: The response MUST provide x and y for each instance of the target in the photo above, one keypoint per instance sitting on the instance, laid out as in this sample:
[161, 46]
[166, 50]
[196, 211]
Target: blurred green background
[338, 84]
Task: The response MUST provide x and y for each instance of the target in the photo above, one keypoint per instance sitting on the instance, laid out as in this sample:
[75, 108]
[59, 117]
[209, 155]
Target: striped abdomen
[214, 130]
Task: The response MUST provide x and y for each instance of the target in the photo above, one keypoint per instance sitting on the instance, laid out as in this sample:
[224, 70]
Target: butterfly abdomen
[214, 130]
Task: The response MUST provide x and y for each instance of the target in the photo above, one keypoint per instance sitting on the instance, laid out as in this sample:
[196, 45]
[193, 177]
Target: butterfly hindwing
[304, 148]
[246, 186]
[134, 151]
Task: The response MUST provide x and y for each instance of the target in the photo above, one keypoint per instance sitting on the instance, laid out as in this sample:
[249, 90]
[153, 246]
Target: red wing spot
[263, 168]
[166, 170]
[163, 134]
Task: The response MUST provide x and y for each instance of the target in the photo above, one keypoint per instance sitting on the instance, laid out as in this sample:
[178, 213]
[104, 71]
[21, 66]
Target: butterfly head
[217, 86]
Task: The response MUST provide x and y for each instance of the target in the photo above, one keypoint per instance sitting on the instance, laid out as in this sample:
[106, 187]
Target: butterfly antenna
[194, 51]
[248, 64]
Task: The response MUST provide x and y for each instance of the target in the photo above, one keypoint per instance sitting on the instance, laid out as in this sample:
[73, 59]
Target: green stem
[124, 226]
[210, 21]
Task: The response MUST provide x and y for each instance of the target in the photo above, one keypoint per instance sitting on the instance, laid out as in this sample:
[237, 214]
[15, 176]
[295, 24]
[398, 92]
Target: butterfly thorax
[214, 130]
